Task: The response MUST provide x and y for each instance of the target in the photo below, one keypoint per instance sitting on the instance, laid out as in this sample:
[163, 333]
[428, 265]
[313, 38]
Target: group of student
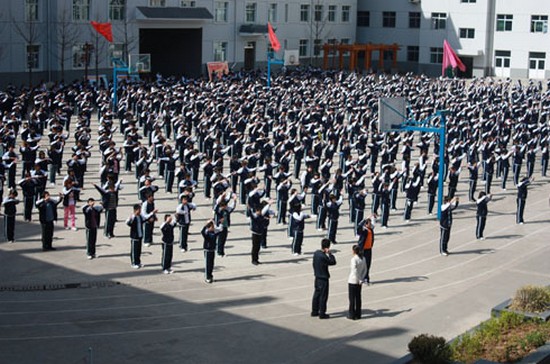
[310, 142]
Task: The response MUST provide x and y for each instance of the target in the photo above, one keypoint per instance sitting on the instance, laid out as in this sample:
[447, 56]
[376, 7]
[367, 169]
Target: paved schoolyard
[56, 305]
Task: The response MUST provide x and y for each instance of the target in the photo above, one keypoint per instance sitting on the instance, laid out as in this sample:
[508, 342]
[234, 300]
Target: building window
[303, 48]
[250, 12]
[468, 1]
[220, 51]
[363, 18]
[31, 10]
[539, 23]
[79, 56]
[414, 19]
[436, 55]
[388, 19]
[187, 4]
[413, 53]
[536, 60]
[157, 3]
[331, 16]
[467, 33]
[304, 12]
[117, 9]
[344, 41]
[318, 13]
[220, 11]
[345, 13]
[439, 20]
[504, 22]
[33, 56]
[502, 59]
[272, 13]
[116, 50]
[286, 13]
[81, 9]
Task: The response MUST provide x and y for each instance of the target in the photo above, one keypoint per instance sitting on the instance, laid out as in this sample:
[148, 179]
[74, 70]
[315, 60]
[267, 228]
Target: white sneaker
[52, 184]
[183, 250]
[482, 238]
[147, 244]
[67, 228]
[295, 254]
[11, 241]
[444, 254]
[74, 229]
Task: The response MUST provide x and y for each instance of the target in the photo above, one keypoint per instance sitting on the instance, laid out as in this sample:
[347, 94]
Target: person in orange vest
[366, 242]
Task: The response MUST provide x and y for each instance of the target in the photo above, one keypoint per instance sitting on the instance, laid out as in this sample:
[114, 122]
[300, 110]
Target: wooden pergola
[354, 49]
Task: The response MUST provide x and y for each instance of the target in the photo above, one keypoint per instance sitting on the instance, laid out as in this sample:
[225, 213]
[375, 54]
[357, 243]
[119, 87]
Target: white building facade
[48, 37]
[493, 37]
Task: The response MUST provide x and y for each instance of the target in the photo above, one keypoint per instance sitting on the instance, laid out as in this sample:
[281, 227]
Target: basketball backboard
[292, 57]
[392, 112]
[140, 63]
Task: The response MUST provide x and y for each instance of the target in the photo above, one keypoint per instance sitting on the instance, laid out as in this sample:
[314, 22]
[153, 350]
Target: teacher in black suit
[321, 261]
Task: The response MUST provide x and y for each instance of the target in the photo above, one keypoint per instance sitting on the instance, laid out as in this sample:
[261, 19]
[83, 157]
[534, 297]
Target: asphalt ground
[55, 306]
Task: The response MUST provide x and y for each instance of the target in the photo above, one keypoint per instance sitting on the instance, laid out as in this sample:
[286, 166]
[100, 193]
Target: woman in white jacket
[355, 280]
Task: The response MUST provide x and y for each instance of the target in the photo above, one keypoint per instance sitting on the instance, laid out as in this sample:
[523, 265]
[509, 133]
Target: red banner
[105, 29]
[273, 38]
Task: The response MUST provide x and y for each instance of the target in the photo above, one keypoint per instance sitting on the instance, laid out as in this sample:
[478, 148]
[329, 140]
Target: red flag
[273, 38]
[105, 29]
[450, 59]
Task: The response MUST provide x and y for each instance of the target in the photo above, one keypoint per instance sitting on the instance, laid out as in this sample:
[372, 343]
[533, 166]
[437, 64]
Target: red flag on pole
[105, 29]
[273, 38]
[450, 59]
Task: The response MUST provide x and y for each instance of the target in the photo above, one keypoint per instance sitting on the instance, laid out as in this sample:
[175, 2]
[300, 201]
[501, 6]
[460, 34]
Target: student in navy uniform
[222, 211]
[10, 210]
[432, 191]
[209, 233]
[446, 222]
[135, 222]
[333, 213]
[257, 228]
[473, 168]
[149, 225]
[28, 186]
[167, 230]
[413, 189]
[109, 202]
[298, 219]
[92, 217]
[183, 214]
[47, 210]
[322, 259]
[481, 214]
[521, 198]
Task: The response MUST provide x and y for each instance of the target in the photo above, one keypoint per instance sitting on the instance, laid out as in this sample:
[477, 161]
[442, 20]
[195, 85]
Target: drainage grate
[58, 286]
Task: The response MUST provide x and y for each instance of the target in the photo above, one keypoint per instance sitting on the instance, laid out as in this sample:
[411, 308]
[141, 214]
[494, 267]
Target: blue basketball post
[119, 67]
[271, 60]
[424, 126]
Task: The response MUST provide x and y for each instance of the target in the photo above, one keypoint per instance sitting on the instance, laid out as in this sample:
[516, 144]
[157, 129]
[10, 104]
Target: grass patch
[504, 339]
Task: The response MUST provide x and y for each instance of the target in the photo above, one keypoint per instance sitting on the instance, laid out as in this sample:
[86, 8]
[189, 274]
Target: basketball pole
[119, 66]
[406, 126]
[270, 61]
[421, 126]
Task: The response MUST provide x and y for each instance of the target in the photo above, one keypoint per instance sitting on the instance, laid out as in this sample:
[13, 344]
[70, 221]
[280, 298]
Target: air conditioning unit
[414, 1]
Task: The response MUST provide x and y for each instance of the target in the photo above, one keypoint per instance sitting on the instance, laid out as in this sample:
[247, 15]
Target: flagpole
[268, 69]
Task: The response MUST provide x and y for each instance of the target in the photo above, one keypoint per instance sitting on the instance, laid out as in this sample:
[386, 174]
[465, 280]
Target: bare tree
[130, 40]
[318, 28]
[28, 30]
[67, 35]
